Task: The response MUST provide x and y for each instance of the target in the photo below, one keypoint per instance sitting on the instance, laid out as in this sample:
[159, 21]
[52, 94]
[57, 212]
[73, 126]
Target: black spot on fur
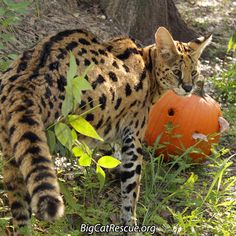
[3, 99]
[48, 93]
[118, 102]
[113, 76]
[107, 129]
[43, 102]
[82, 105]
[99, 124]
[43, 175]
[52, 205]
[94, 52]
[140, 151]
[125, 175]
[115, 64]
[12, 130]
[90, 117]
[95, 61]
[54, 66]
[61, 83]
[94, 40]
[32, 137]
[128, 165]
[87, 62]
[27, 120]
[100, 79]
[102, 52]
[82, 52]
[51, 105]
[49, 79]
[90, 101]
[144, 122]
[127, 53]
[56, 115]
[130, 187]
[16, 205]
[22, 89]
[13, 78]
[84, 41]
[103, 101]
[22, 66]
[42, 187]
[39, 160]
[109, 48]
[112, 94]
[38, 168]
[128, 90]
[70, 46]
[19, 216]
[62, 54]
[138, 169]
[126, 68]
[128, 208]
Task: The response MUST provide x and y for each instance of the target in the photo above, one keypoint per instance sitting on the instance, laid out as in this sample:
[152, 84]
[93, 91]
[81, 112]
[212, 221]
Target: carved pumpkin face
[177, 119]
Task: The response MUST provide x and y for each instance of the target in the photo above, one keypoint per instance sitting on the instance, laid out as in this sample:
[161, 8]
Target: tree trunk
[141, 18]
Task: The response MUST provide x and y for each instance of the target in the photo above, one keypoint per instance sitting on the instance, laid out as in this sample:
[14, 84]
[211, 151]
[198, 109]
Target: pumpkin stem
[199, 90]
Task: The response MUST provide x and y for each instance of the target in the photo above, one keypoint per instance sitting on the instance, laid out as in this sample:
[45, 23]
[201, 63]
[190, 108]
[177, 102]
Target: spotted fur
[126, 81]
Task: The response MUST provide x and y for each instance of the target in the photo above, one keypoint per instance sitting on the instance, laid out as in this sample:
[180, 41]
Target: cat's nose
[187, 88]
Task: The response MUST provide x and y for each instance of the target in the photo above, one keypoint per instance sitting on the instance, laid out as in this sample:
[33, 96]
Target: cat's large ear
[165, 45]
[199, 44]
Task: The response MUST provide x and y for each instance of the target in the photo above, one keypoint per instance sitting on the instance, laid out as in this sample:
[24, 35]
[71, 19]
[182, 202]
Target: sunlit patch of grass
[192, 199]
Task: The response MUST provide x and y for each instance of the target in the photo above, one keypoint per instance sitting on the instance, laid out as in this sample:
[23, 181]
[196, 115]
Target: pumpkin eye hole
[194, 73]
[171, 112]
[178, 73]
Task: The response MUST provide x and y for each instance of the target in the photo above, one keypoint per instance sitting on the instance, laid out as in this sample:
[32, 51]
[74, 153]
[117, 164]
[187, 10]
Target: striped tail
[29, 145]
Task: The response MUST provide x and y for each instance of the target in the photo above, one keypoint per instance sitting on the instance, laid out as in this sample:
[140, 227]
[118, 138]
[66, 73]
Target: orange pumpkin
[177, 118]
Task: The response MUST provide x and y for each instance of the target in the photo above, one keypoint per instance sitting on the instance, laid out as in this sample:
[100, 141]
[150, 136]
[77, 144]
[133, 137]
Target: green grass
[178, 197]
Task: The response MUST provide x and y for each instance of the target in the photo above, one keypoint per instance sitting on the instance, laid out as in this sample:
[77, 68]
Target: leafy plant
[10, 14]
[67, 127]
[232, 43]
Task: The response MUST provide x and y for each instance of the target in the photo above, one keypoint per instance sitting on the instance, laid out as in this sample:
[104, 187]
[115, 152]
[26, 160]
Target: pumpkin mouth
[171, 112]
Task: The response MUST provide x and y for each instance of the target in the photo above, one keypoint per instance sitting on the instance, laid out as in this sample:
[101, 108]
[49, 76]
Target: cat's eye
[178, 73]
[194, 73]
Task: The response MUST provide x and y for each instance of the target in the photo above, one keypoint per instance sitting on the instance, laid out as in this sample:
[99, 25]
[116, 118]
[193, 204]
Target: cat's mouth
[181, 92]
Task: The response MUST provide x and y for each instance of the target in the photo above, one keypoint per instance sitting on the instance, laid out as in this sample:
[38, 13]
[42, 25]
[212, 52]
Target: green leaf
[83, 127]
[67, 104]
[232, 42]
[83, 84]
[85, 160]
[101, 176]
[108, 162]
[78, 151]
[51, 140]
[63, 134]
[72, 68]
[76, 91]
[74, 136]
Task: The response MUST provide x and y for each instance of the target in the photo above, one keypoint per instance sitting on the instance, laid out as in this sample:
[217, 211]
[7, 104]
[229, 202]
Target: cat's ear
[165, 44]
[199, 44]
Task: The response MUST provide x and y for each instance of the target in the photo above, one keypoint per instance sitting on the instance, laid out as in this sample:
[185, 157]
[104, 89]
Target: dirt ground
[47, 17]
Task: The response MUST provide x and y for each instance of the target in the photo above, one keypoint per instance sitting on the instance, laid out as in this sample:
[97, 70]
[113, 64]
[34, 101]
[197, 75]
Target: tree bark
[141, 18]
